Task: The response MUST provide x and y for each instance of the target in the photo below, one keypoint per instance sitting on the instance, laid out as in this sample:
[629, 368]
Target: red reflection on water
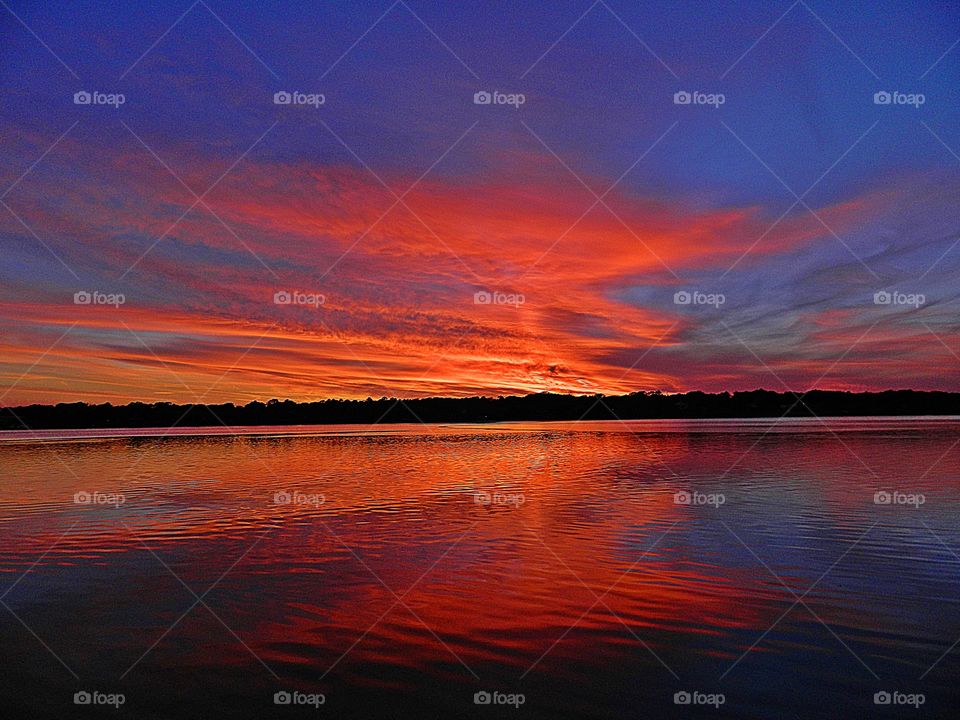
[391, 561]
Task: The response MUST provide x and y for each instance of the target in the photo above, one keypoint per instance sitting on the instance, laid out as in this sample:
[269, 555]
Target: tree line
[483, 409]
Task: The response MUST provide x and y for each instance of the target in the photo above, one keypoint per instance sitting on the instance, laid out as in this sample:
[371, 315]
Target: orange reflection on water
[373, 558]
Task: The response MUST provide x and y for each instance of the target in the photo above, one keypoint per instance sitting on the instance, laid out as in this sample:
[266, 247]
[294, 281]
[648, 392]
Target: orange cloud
[587, 292]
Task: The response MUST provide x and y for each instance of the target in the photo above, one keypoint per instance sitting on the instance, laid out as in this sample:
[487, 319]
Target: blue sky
[705, 196]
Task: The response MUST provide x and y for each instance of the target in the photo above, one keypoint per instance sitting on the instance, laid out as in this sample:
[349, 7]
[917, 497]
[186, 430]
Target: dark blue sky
[700, 209]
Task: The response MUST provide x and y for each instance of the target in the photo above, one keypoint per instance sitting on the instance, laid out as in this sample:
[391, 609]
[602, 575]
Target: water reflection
[365, 566]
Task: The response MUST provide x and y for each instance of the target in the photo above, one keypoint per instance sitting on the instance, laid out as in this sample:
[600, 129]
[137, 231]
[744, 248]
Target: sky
[664, 196]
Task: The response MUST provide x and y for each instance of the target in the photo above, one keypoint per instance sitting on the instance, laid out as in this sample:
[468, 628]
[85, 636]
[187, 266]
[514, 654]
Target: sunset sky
[579, 214]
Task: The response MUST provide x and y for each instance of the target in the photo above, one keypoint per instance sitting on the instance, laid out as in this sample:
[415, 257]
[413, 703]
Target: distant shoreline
[755, 404]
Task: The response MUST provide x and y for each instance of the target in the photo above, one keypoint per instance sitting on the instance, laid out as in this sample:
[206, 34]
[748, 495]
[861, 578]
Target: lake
[737, 568]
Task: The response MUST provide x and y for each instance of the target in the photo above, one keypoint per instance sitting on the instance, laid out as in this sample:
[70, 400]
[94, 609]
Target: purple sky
[795, 224]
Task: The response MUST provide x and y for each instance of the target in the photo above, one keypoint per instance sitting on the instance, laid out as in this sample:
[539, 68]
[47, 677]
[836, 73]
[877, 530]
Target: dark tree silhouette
[541, 406]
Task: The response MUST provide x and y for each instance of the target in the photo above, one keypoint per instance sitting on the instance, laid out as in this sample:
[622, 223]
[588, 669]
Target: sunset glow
[462, 248]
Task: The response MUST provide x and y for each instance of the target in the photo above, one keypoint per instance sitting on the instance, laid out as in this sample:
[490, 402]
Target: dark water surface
[398, 572]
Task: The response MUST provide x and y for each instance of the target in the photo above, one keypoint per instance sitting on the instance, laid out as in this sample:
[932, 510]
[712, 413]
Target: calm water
[401, 571]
